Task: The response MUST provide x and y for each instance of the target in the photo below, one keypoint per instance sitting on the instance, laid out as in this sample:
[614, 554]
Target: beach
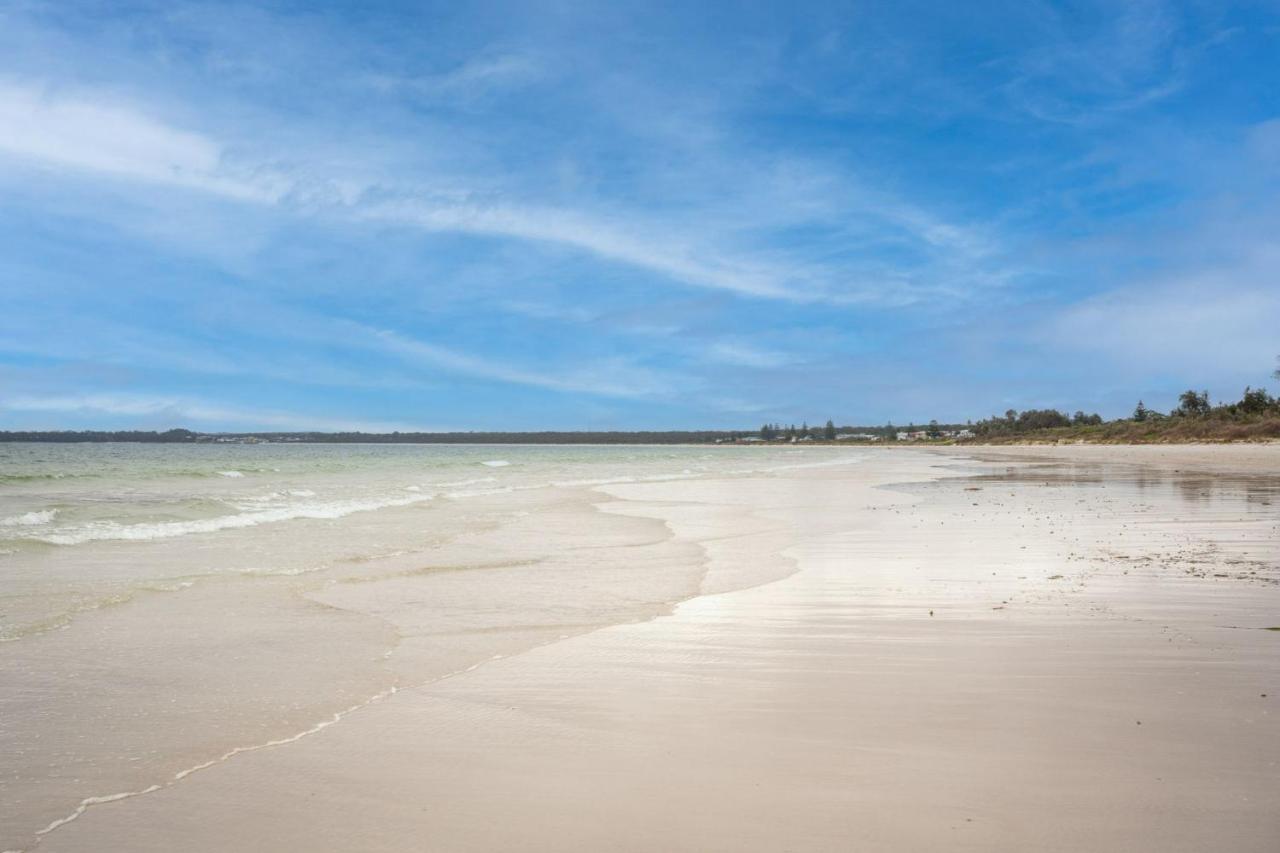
[682, 648]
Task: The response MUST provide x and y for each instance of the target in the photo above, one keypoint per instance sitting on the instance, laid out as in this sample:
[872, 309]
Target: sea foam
[29, 519]
[473, 481]
[109, 530]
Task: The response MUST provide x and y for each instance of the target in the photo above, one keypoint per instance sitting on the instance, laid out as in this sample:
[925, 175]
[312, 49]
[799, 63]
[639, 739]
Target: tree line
[772, 432]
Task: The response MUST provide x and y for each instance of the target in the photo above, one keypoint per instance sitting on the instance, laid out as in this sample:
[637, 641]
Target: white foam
[250, 500]
[29, 519]
[596, 481]
[830, 463]
[413, 488]
[472, 482]
[110, 530]
[476, 493]
[496, 463]
[302, 493]
[232, 474]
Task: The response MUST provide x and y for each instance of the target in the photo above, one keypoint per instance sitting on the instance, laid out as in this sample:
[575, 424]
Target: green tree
[1193, 404]
[1256, 401]
[829, 431]
[1140, 413]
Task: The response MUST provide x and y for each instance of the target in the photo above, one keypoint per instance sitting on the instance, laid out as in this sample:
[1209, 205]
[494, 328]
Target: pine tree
[829, 431]
[1140, 413]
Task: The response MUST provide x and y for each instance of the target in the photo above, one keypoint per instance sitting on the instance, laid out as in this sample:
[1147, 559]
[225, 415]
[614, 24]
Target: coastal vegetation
[1254, 417]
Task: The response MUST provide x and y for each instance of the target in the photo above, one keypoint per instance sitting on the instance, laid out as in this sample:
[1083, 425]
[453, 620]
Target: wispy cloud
[186, 412]
[96, 133]
[474, 78]
[609, 378]
[89, 133]
[1216, 323]
[745, 354]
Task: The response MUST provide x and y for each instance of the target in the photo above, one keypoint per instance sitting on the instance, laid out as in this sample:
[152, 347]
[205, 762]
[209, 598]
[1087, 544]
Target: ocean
[81, 524]
[163, 607]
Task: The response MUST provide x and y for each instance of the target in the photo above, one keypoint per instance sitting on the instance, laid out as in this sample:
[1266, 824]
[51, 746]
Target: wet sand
[1049, 649]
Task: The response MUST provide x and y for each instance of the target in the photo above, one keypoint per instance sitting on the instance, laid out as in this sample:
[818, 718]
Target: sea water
[163, 607]
[81, 523]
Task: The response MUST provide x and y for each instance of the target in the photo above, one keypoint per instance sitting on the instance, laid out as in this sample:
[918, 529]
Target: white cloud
[180, 411]
[609, 378]
[743, 354]
[93, 133]
[1220, 323]
[476, 77]
[657, 253]
[90, 133]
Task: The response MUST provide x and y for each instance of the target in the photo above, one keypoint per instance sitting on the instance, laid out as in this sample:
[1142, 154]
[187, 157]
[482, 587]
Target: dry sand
[996, 650]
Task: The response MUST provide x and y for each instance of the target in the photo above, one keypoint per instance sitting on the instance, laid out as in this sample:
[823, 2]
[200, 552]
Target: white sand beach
[977, 649]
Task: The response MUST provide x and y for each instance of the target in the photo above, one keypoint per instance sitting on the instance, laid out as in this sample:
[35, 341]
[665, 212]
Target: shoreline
[822, 518]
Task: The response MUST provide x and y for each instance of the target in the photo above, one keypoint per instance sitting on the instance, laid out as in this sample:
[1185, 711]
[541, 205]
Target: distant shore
[1164, 431]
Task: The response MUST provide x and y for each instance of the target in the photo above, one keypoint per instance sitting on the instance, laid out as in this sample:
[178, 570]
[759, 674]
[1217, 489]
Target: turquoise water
[74, 494]
[87, 524]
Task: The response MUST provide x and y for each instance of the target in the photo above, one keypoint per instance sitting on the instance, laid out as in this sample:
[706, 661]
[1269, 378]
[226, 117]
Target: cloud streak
[612, 378]
[93, 133]
[184, 411]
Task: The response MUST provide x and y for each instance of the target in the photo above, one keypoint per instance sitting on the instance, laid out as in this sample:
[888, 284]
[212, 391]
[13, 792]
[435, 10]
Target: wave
[29, 519]
[496, 463]
[232, 474]
[471, 482]
[480, 493]
[110, 530]
[26, 478]
[828, 463]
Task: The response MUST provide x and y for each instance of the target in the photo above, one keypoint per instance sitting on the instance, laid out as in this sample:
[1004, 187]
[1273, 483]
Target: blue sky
[613, 215]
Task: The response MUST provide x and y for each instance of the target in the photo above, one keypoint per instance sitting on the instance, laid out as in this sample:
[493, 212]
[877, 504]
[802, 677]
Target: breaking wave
[29, 519]
[110, 530]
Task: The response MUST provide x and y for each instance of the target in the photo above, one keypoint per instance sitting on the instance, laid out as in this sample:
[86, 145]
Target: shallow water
[86, 524]
[163, 607]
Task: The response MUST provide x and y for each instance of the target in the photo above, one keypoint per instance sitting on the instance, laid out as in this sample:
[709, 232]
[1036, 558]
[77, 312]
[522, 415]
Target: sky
[613, 215]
